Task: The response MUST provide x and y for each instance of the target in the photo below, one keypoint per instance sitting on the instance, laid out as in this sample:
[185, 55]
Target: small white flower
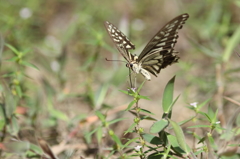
[194, 104]
[137, 148]
[218, 122]
[133, 89]
[25, 13]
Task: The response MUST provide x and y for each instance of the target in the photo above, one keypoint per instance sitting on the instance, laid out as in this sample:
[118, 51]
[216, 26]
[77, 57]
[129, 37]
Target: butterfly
[157, 54]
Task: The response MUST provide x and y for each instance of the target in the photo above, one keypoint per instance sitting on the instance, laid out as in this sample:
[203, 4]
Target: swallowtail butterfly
[157, 54]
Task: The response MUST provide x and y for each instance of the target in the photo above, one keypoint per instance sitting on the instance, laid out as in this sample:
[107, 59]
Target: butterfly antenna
[115, 60]
[133, 85]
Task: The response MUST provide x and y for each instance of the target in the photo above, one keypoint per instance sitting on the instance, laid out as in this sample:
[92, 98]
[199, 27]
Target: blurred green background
[57, 76]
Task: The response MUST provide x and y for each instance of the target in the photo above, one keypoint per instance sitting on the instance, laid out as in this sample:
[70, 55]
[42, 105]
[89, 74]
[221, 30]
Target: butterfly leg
[130, 78]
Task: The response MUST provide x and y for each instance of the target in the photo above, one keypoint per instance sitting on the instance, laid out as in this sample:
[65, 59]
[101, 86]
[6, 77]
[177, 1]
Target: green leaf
[140, 87]
[14, 126]
[168, 95]
[214, 119]
[159, 126]
[99, 135]
[9, 74]
[58, 115]
[130, 129]
[116, 139]
[173, 140]
[88, 135]
[206, 115]
[100, 116]
[232, 43]
[203, 104]
[116, 120]
[13, 59]
[146, 111]
[202, 140]
[100, 95]
[18, 90]
[36, 149]
[155, 155]
[152, 139]
[212, 142]
[179, 135]
[11, 103]
[125, 92]
[143, 97]
[130, 105]
[130, 141]
[19, 147]
[172, 104]
[142, 116]
[185, 121]
[29, 64]
[200, 126]
[13, 49]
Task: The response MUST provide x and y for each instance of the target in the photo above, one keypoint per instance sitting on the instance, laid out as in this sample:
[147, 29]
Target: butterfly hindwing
[122, 43]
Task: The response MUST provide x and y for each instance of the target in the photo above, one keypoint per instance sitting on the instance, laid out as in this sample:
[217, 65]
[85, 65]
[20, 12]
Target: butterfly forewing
[162, 46]
[120, 40]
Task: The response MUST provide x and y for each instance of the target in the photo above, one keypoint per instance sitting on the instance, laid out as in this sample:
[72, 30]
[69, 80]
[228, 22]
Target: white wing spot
[161, 44]
[171, 26]
[167, 34]
[158, 57]
[156, 67]
[156, 50]
[116, 40]
[164, 39]
[128, 46]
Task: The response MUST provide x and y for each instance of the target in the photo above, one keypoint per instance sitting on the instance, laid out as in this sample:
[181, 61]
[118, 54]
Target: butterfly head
[137, 68]
[130, 65]
[133, 64]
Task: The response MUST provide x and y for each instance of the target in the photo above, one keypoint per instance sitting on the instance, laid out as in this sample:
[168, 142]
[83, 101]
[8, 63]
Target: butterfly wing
[159, 52]
[122, 43]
